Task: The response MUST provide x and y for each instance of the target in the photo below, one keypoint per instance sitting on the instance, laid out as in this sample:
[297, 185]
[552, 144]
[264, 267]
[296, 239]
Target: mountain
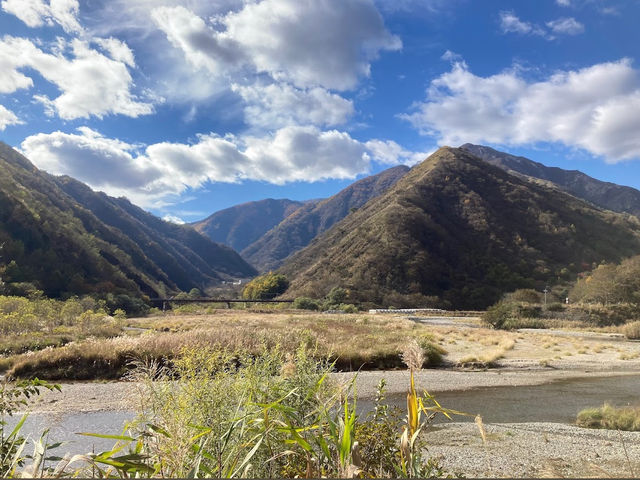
[63, 238]
[463, 230]
[604, 194]
[241, 225]
[310, 220]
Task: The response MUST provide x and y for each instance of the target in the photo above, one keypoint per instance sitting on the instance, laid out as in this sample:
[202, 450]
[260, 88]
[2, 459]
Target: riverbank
[534, 450]
[83, 397]
[524, 448]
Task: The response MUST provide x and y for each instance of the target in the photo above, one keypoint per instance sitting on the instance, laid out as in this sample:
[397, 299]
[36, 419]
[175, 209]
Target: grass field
[104, 349]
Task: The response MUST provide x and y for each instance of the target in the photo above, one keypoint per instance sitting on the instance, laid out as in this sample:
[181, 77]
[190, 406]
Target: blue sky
[187, 107]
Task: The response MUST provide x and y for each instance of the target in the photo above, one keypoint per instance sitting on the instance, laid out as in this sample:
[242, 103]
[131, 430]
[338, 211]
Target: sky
[188, 107]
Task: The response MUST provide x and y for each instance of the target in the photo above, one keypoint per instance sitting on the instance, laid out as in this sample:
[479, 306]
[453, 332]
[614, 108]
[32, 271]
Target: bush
[530, 311]
[526, 295]
[632, 330]
[266, 287]
[336, 296]
[556, 307]
[612, 418]
[306, 303]
[498, 315]
[347, 308]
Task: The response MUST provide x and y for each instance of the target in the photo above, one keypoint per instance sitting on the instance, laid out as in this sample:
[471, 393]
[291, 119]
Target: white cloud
[160, 172]
[88, 156]
[307, 43]
[389, 152]
[117, 50]
[564, 3]
[36, 13]
[203, 47]
[11, 51]
[92, 84]
[595, 108]
[510, 23]
[173, 219]
[305, 154]
[278, 105]
[566, 26]
[7, 117]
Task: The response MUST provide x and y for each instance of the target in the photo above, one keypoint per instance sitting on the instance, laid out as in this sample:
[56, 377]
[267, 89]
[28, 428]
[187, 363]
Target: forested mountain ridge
[59, 236]
[313, 218]
[608, 195]
[463, 230]
[241, 225]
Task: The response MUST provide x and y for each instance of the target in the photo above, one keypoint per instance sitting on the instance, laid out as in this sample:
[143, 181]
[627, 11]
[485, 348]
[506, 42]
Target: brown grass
[632, 330]
[373, 343]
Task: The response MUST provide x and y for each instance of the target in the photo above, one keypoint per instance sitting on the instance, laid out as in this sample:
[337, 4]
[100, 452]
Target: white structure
[406, 310]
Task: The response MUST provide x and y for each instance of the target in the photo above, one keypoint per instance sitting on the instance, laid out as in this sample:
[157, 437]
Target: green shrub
[336, 296]
[306, 303]
[347, 308]
[556, 307]
[499, 314]
[612, 418]
[530, 311]
[266, 287]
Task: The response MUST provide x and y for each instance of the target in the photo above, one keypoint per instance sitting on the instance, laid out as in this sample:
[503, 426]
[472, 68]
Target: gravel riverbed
[511, 449]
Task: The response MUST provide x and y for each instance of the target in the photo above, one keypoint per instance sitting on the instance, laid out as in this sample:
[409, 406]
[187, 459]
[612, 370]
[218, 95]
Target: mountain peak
[607, 195]
[460, 229]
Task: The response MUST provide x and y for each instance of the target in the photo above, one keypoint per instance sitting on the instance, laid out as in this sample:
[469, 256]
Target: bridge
[228, 301]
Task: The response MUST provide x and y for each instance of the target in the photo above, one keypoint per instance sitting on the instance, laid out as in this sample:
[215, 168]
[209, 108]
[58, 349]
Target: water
[557, 402]
[65, 428]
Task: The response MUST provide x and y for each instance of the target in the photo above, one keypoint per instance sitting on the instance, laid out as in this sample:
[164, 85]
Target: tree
[266, 287]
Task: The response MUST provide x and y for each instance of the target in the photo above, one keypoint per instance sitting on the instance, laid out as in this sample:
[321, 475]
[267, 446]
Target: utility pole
[546, 290]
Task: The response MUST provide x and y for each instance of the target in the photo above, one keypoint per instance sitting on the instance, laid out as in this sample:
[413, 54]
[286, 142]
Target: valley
[473, 233]
[529, 394]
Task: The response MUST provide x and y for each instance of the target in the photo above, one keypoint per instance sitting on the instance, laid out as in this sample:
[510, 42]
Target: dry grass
[488, 357]
[371, 343]
[622, 418]
[632, 330]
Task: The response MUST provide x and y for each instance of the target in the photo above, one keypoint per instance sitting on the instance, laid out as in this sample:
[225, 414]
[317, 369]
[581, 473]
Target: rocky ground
[535, 450]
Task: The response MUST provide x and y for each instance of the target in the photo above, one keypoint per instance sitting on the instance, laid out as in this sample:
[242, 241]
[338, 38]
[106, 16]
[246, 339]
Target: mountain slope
[241, 225]
[604, 194]
[310, 220]
[463, 230]
[66, 239]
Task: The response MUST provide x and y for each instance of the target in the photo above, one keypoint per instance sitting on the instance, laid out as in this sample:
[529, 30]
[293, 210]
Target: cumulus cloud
[88, 156]
[36, 13]
[92, 84]
[278, 105]
[7, 117]
[157, 173]
[391, 153]
[307, 43]
[595, 108]
[203, 47]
